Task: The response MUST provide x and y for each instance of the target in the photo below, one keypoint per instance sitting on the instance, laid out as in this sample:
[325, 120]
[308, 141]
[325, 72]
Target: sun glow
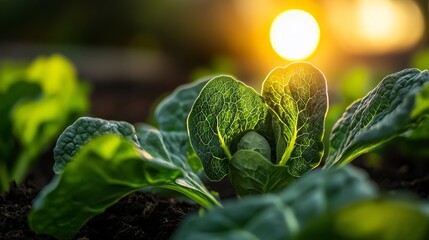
[294, 34]
[375, 26]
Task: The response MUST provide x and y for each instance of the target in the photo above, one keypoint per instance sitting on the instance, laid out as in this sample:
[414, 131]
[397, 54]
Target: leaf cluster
[262, 142]
[98, 162]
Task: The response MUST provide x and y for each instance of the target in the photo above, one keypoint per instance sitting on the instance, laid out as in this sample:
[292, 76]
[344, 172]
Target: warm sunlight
[294, 34]
[376, 26]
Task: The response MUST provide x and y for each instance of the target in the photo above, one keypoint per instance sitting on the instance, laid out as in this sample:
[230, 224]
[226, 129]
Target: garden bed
[137, 216]
[148, 216]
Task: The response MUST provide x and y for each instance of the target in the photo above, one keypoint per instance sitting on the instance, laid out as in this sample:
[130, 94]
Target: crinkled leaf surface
[81, 132]
[252, 173]
[398, 104]
[101, 173]
[224, 109]
[282, 215]
[297, 98]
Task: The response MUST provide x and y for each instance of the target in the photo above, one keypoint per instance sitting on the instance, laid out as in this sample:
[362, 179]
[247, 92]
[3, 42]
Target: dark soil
[138, 216]
[147, 216]
[398, 171]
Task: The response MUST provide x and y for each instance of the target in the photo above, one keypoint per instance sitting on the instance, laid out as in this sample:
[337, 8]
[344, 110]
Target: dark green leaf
[105, 170]
[251, 172]
[255, 142]
[108, 152]
[81, 132]
[172, 112]
[224, 109]
[172, 147]
[398, 104]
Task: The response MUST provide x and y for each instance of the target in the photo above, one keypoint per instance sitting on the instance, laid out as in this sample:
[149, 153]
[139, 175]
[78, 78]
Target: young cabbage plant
[98, 162]
[261, 141]
[264, 141]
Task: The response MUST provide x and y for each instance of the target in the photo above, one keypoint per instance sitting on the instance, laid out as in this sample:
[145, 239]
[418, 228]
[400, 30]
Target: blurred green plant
[338, 203]
[36, 103]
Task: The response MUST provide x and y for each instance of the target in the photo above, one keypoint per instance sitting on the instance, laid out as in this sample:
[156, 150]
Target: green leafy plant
[261, 141]
[98, 162]
[36, 103]
[288, 118]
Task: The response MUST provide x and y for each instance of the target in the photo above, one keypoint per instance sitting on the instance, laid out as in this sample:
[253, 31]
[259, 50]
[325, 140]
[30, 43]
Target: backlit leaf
[398, 104]
[297, 98]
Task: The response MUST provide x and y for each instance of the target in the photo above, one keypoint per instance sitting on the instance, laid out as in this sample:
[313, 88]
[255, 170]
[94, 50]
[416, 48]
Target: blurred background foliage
[36, 103]
[132, 52]
[139, 40]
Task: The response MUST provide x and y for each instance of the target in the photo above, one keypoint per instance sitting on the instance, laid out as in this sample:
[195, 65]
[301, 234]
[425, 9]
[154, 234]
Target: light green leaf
[105, 170]
[81, 132]
[36, 122]
[297, 98]
[252, 173]
[63, 98]
[282, 215]
[398, 104]
[225, 109]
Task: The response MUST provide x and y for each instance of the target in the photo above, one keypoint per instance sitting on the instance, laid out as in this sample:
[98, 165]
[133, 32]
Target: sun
[294, 34]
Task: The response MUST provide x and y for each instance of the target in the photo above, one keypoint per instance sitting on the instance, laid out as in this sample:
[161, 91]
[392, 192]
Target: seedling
[261, 141]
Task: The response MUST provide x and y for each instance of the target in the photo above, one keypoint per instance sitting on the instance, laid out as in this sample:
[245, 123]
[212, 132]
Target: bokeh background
[134, 52]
